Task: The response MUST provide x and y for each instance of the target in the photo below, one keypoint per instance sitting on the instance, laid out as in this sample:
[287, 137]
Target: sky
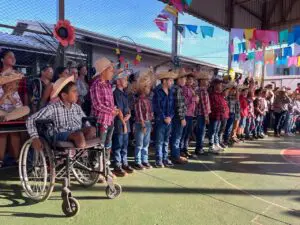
[116, 18]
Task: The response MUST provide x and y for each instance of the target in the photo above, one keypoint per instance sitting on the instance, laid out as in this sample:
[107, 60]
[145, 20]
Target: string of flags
[253, 41]
[170, 13]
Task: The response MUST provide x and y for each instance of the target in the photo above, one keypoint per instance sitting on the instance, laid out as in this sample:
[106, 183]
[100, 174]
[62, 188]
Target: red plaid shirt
[218, 105]
[143, 109]
[190, 100]
[102, 102]
[204, 102]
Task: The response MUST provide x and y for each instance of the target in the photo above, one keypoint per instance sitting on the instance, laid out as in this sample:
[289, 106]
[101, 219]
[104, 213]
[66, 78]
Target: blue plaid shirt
[163, 104]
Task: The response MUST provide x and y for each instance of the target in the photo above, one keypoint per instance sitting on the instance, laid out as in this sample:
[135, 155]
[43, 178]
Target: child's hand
[183, 123]
[125, 129]
[144, 130]
[168, 120]
[127, 117]
[37, 144]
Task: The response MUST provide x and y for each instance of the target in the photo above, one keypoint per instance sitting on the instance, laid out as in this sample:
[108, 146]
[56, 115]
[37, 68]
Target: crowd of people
[167, 107]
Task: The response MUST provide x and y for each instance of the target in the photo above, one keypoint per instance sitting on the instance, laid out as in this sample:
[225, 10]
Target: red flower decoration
[64, 33]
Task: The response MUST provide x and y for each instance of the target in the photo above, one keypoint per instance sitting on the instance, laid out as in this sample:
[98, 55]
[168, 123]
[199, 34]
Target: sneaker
[219, 148]
[168, 163]
[212, 149]
[199, 153]
[261, 136]
[138, 166]
[147, 166]
[128, 168]
[185, 154]
[119, 172]
[235, 140]
[181, 160]
[159, 165]
[223, 145]
[277, 135]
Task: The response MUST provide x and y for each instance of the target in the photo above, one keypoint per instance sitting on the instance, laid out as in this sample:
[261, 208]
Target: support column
[61, 16]
[175, 40]
[230, 15]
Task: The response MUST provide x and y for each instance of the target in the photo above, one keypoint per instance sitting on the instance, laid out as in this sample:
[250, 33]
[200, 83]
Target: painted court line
[246, 192]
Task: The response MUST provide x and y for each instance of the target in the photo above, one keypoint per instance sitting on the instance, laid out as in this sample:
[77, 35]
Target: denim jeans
[250, 125]
[186, 134]
[222, 130]
[176, 135]
[267, 121]
[229, 127]
[105, 135]
[200, 134]
[288, 125]
[162, 134]
[119, 149]
[258, 125]
[279, 121]
[142, 142]
[213, 132]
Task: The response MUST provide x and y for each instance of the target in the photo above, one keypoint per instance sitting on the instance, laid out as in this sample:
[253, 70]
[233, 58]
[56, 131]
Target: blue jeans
[119, 149]
[213, 132]
[250, 125]
[186, 134]
[229, 127]
[200, 134]
[279, 121]
[142, 142]
[176, 135]
[288, 125]
[162, 134]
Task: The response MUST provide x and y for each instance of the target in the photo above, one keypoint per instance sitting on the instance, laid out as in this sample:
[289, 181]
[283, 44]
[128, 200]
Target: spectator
[83, 89]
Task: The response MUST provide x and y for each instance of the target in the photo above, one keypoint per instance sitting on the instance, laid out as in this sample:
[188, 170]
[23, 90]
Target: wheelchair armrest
[44, 122]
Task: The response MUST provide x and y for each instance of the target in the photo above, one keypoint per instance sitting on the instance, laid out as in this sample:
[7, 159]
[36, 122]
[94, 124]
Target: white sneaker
[219, 148]
[213, 149]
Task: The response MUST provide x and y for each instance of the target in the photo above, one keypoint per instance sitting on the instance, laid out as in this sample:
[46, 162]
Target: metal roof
[261, 14]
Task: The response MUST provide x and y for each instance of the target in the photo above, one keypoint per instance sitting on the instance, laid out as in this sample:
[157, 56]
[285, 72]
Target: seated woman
[11, 108]
[66, 115]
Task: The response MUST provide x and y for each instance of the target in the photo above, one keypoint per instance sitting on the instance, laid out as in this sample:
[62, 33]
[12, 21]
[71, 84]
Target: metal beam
[286, 23]
[288, 11]
[250, 12]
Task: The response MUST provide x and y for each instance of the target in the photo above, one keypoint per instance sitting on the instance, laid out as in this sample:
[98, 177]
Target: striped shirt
[190, 100]
[65, 119]
[204, 102]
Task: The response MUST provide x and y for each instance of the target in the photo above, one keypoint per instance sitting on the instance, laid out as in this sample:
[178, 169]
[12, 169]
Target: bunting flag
[259, 56]
[269, 57]
[171, 10]
[188, 2]
[298, 61]
[237, 33]
[287, 52]
[296, 30]
[178, 5]
[266, 36]
[251, 55]
[293, 61]
[192, 28]
[242, 47]
[284, 36]
[249, 34]
[296, 50]
[231, 47]
[242, 57]
[181, 29]
[207, 31]
[278, 52]
[167, 15]
[236, 57]
[281, 61]
[291, 38]
[162, 25]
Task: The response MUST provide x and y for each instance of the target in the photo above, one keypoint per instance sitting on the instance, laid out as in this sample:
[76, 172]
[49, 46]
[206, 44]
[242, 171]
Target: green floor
[248, 184]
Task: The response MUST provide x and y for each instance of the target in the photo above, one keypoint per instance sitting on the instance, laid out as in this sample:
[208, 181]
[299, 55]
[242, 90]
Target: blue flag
[207, 31]
[192, 28]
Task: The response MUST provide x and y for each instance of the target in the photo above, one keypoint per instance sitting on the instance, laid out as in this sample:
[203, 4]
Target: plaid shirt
[7, 106]
[143, 109]
[65, 119]
[218, 106]
[102, 102]
[204, 102]
[231, 99]
[180, 107]
[190, 100]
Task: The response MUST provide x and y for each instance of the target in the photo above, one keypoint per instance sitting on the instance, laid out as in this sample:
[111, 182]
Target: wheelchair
[38, 170]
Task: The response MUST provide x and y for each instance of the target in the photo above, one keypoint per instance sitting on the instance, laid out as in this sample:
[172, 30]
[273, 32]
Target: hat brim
[55, 92]
[5, 79]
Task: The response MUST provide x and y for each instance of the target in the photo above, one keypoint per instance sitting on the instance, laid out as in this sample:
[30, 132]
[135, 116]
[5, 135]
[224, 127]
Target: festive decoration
[293, 61]
[161, 24]
[181, 29]
[298, 61]
[126, 64]
[284, 36]
[259, 56]
[178, 5]
[287, 51]
[237, 33]
[251, 55]
[64, 32]
[249, 34]
[207, 31]
[269, 57]
[171, 9]
[192, 28]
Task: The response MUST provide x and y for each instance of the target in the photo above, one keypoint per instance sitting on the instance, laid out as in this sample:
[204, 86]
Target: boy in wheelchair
[66, 115]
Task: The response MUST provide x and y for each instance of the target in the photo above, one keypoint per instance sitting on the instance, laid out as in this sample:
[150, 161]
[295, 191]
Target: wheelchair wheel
[111, 194]
[70, 207]
[81, 171]
[37, 171]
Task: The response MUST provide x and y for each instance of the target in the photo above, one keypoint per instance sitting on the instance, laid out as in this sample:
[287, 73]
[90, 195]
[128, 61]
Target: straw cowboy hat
[146, 79]
[122, 74]
[229, 85]
[10, 76]
[202, 75]
[182, 73]
[101, 65]
[60, 84]
[167, 75]
[15, 114]
[243, 87]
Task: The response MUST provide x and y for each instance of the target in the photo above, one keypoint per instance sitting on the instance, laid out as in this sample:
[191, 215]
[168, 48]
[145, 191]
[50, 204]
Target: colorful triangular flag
[207, 31]
[192, 28]
[162, 25]
[181, 29]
